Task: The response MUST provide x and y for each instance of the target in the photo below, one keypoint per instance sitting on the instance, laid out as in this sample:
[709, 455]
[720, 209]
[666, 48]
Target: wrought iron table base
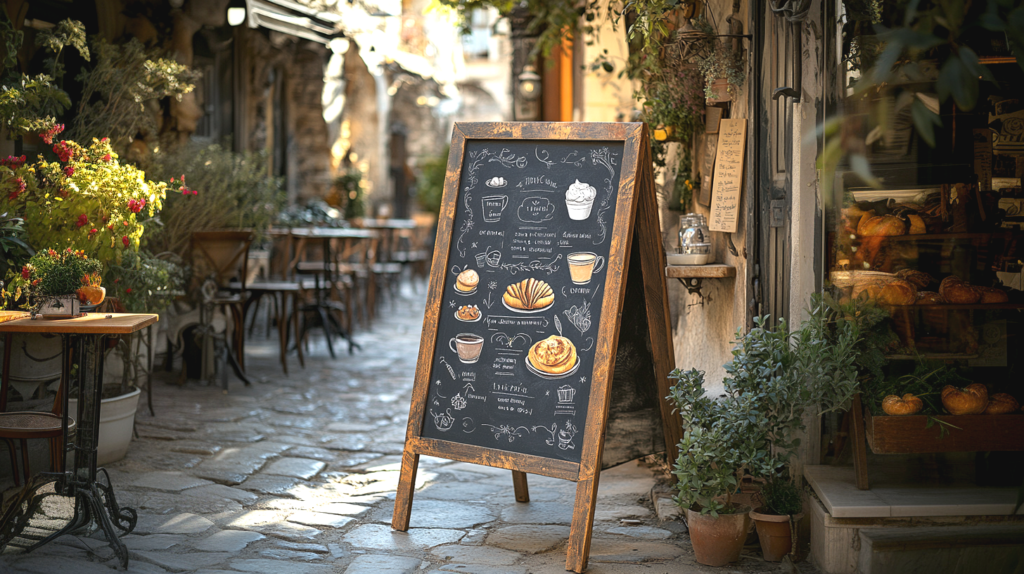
[94, 499]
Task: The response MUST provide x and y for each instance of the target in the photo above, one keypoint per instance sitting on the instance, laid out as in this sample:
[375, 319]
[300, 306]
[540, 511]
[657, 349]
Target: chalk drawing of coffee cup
[583, 265]
[493, 206]
[468, 346]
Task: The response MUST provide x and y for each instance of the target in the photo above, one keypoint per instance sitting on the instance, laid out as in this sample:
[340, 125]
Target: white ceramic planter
[117, 420]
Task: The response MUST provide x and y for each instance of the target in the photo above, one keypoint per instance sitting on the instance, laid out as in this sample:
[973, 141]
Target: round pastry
[894, 292]
[468, 313]
[554, 355]
[907, 405]
[991, 295]
[467, 281]
[919, 279]
[1000, 404]
[958, 292]
[929, 298]
[971, 400]
[529, 294]
[853, 215]
[881, 226]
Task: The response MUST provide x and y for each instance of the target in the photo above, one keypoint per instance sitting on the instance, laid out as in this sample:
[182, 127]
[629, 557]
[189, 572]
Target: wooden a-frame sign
[525, 306]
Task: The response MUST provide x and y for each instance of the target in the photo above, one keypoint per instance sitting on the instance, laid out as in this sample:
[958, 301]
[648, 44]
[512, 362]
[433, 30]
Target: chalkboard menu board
[548, 233]
[515, 342]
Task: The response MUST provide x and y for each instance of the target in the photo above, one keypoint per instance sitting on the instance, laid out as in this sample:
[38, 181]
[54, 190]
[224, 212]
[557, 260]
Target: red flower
[63, 151]
[135, 206]
[125, 223]
[105, 140]
[91, 231]
[125, 240]
[21, 187]
[25, 273]
[107, 157]
[13, 162]
[48, 136]
[69, 170]
[182, 178]
[110, 227]
[172, 179]
[83, 219]
[128, 290]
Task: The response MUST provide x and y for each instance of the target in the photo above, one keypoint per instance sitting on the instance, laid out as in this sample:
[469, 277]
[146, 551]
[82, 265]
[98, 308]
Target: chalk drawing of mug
[493, 206]
[583, 265]
[468, 346]
[493, 258]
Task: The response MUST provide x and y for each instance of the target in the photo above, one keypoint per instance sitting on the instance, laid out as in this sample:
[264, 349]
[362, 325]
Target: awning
[293, 19]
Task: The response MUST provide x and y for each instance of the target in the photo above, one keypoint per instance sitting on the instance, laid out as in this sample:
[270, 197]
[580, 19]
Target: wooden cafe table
[93, 497]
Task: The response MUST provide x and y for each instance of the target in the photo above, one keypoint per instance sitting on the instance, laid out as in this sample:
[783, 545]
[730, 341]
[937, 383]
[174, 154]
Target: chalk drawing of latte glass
[583, 265]
[493, 206]
[468, 346]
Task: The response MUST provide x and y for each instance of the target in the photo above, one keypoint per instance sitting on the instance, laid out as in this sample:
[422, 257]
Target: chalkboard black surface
[522, 295]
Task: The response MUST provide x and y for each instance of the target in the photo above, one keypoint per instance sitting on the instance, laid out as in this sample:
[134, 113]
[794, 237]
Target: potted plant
[57, 282]
[776, 518]
[714, 455]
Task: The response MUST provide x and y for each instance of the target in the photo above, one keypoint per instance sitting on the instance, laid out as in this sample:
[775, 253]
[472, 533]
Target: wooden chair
[220, 258]
[22, 426]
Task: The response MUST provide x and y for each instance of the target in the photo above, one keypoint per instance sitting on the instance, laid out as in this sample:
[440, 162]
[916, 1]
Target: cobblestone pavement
[296, 475]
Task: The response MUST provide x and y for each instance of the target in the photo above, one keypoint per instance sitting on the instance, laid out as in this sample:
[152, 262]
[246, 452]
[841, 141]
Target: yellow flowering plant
[85, 199]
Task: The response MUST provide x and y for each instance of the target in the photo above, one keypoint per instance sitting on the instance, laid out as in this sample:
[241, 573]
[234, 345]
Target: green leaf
[925, 121]
[956, 79]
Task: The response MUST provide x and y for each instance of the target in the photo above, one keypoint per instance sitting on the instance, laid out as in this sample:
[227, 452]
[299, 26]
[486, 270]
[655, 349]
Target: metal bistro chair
[22, 426]
[219, 257]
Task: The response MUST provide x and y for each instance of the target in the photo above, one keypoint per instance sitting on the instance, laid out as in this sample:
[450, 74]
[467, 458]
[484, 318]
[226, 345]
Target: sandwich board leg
[522, 489]
[582, 524]
[406, 488]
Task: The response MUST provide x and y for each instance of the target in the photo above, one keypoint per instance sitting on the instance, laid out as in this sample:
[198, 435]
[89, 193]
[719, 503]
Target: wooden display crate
[976, 433]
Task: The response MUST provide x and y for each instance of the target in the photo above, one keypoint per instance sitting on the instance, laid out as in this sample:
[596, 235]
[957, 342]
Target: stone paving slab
[378, 564]
[228, 541]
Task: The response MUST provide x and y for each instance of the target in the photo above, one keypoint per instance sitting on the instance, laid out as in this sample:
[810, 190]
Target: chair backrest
[5, 383]
[222, 255]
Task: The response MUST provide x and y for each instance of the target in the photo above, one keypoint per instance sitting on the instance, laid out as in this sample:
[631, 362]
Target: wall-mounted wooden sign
[728, 179]
[525, 319]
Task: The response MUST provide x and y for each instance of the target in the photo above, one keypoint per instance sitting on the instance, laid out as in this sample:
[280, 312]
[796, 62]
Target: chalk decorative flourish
[507, 431]
[544, 160]
[532, 266]
[579, 316]
[509, 159]
[604, 157]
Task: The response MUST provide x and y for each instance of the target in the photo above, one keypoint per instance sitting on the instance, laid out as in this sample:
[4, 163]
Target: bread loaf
[881, 226]
[956, 291]
[990, 295]
[893, 292]
[908, 404]
[920, 279]
[1000, 404]
[972, 400]
[929, 298]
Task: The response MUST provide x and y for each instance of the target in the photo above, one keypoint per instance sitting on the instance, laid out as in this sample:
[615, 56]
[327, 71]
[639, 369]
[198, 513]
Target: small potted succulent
[57, 282]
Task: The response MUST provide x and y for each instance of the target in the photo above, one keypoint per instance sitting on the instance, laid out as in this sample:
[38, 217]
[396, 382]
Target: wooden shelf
[941, 236]
[709, 271]
[975, 433]
[954, 307]
[936, 356]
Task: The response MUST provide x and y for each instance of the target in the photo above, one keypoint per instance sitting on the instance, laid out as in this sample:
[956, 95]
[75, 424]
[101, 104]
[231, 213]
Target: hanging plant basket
[721, 91]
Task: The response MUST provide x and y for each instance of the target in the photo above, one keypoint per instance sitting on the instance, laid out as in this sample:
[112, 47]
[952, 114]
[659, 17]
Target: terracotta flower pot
[775, 534]
[718, 541]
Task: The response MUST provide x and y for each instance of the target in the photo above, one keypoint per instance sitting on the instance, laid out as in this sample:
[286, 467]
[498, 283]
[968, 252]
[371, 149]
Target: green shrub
[430, 187]
[781, 497]
[143, 283]
[232, 191]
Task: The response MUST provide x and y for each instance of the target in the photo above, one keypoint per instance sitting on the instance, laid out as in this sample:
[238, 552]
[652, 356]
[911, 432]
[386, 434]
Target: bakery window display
[529, 296]
[553, 358]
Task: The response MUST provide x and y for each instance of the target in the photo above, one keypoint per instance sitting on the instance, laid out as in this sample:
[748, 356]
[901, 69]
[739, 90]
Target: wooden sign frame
[636, 219]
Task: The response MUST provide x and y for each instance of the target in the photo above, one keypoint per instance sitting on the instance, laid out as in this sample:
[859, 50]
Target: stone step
[975, 549]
